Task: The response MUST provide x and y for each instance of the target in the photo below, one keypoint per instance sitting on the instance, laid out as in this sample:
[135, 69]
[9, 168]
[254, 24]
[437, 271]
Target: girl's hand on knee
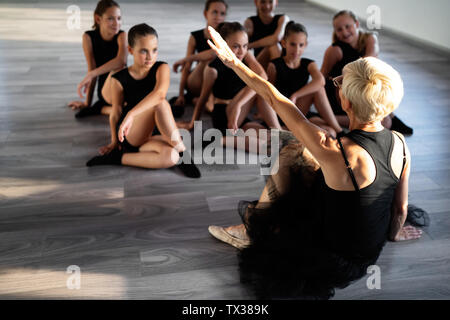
[178, 64]
[84, 85]
[76, 105]
[125, 127]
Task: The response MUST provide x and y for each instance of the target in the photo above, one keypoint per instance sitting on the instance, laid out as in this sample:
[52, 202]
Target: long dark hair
[101, 8]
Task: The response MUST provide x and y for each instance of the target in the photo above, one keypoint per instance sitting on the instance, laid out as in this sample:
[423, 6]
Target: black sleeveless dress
[201, 43]
[226, 87]
[261, 30]
[349, 55]
[314, 239]
[290, 80]
[133, 92]
[104, 51]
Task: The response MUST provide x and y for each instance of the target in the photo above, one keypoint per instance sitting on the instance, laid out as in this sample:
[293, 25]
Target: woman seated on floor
[325, 215]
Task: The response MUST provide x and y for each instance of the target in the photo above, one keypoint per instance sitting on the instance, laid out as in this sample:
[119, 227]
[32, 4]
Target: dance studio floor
[142, 234]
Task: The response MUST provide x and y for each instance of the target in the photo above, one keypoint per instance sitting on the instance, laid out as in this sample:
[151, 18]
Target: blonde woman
[325, 216]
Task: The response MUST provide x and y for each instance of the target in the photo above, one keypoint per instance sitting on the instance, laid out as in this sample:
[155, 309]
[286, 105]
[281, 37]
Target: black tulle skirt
[288, 257]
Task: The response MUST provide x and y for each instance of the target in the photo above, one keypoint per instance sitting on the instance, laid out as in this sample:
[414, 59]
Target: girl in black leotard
[265, 31]
[350, 43]
[191, 80]
[105, 51]
[139, 104]
[232, 98]
[290, 75]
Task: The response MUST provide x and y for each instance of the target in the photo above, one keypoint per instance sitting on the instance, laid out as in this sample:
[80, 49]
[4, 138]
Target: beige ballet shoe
[221, 234]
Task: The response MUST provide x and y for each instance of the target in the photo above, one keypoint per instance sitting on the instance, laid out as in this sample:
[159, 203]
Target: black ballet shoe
[189, 97]
[417, 216]
[190, 170]
[177, 111]
[112, 158]
[95, 109]
[399, 126]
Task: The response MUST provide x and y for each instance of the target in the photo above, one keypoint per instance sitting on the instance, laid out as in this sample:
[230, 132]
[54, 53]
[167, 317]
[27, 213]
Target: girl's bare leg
[234, 141]
[267, 54]
[154, 152]
[266, 113]
[161, 116]
[324, 108]
[106, 93]
[195, 79]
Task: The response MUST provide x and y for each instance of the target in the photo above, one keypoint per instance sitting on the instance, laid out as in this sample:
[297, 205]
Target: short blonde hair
[373, 87]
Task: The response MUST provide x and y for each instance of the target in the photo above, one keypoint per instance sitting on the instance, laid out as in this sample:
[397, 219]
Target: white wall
[427, 21]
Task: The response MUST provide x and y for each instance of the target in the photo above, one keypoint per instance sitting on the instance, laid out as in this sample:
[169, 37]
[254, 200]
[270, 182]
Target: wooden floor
[142, 234]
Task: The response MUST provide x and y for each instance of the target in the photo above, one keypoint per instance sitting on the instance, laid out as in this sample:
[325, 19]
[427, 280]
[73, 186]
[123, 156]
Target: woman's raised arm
[313, 137]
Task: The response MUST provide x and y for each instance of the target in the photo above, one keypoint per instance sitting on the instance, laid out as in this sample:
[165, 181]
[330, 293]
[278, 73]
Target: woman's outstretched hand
[408, 233]
[221, 48]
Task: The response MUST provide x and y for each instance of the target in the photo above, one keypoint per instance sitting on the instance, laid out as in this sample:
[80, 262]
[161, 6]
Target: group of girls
[143, 130]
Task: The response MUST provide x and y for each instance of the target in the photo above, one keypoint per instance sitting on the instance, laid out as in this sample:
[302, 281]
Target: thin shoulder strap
[404, 153]
[347, 164]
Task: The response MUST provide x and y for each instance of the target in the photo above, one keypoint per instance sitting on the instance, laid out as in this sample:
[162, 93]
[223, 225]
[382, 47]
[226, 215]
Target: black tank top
[228, 83]
[104, 51]
[290, 80]
[200, 41]
[349, 54]
[261, 30]
[357, 222]
[136, 90]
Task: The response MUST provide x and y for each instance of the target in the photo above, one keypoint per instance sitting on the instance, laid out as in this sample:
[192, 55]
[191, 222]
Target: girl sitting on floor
[105, 51]
[139, 104]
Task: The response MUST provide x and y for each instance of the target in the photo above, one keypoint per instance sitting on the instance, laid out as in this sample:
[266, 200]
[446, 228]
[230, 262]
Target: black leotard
[290, 80]
[349, 54]
[261, 30]
[364, 230]
[226, 86]
[200, 41]
[135, 90]
[104, 51]
[228, 83]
